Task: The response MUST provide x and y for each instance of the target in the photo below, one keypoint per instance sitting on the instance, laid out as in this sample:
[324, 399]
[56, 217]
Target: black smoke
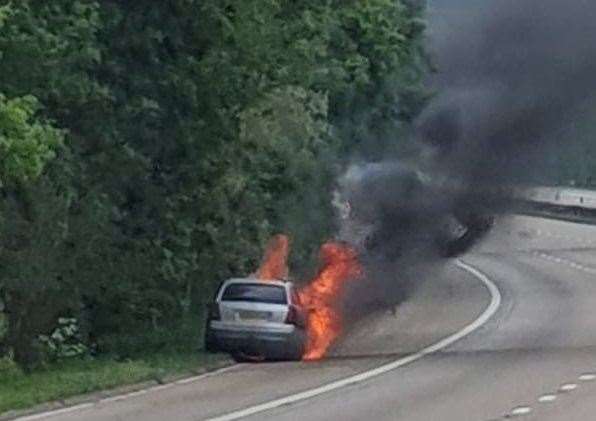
[511, 76]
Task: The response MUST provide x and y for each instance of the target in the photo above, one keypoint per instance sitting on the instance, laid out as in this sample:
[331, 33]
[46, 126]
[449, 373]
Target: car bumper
[278, 343]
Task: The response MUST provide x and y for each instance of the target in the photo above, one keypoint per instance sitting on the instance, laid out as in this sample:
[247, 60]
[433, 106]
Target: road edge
[480, 321]
[86, 401]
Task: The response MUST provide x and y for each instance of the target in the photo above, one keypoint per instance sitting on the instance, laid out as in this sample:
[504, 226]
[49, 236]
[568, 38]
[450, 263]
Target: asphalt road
[533, 355]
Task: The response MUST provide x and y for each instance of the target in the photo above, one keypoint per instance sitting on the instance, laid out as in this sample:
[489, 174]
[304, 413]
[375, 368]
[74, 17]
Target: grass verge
[67, 379]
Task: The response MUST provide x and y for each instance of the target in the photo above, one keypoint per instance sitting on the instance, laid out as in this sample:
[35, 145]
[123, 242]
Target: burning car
[256, 320]
[263, 317]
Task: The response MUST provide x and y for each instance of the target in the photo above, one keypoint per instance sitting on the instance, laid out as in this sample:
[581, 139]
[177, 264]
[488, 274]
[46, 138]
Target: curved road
[534, 358]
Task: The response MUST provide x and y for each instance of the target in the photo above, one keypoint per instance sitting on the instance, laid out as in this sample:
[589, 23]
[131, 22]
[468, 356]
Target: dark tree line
[149, 149]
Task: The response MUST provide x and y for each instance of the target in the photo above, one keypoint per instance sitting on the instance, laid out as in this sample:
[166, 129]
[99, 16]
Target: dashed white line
[588, 377]
[568, 387]
[567, 262]
[367, 375]
[547, 398]
[521, 410]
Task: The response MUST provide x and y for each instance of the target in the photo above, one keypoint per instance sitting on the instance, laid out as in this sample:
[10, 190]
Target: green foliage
[34, 256]
[3, 327]
[193, 130]
[26, 145]
[74, 377]
[46, 49]
[64, 341]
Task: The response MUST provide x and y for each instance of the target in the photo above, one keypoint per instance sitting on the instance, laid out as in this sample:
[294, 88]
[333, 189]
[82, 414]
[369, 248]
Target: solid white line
[367, 375]
[210, 374]
[116, 398]
[119, 397]
[161, 387]
[57, 412]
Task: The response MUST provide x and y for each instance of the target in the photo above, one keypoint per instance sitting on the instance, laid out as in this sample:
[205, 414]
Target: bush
[64, 342]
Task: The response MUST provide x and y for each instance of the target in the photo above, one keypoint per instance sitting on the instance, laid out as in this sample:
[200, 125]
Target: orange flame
[321, 297]
[274, 264]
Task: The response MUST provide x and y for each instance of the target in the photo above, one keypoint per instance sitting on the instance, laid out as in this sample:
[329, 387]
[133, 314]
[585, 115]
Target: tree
[193, 130]
[27, 145]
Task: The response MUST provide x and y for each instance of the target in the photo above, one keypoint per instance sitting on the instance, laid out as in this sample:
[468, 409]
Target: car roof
[256, 281]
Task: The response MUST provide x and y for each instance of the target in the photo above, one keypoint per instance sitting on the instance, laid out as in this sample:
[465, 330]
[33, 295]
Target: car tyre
[241, 357]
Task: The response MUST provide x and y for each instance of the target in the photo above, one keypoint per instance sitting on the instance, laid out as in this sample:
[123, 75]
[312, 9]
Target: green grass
[60, 381]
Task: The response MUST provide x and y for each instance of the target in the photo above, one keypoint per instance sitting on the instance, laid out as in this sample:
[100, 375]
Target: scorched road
[509, 333]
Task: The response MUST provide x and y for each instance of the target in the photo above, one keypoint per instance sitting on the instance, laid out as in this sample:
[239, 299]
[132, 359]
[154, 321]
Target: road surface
[528, 353]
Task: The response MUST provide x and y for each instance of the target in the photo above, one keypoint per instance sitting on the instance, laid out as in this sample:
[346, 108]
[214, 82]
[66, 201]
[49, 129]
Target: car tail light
[213, 310]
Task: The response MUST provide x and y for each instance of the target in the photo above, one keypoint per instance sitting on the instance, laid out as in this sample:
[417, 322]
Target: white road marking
[521, 410]
[484, 317]
[89, 405]
[137, 393]
[210, 374]
[56, 412]
[162, 387]
[567, 262]
[547, 398]
[367, 375]
[110, 399]
[588, 377]
[568, 387]
[118, 398]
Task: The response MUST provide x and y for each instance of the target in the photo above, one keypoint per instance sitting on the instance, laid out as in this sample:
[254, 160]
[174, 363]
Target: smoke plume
[511, 76]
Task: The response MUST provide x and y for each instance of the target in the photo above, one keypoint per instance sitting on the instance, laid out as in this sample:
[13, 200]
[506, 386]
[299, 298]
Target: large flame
[274, 264]
[321, 297]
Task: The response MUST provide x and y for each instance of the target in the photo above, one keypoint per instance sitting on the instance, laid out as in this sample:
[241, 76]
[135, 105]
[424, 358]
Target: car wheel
[242, 357]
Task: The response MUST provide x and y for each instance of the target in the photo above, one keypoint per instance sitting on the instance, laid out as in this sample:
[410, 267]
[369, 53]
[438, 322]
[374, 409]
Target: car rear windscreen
[257, 293]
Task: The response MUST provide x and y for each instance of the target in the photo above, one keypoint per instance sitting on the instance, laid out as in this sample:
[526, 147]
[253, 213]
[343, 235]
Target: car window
[258, 293]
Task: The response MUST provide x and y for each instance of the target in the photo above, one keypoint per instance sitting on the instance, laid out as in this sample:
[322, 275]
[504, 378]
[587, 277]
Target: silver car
[255, 320]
